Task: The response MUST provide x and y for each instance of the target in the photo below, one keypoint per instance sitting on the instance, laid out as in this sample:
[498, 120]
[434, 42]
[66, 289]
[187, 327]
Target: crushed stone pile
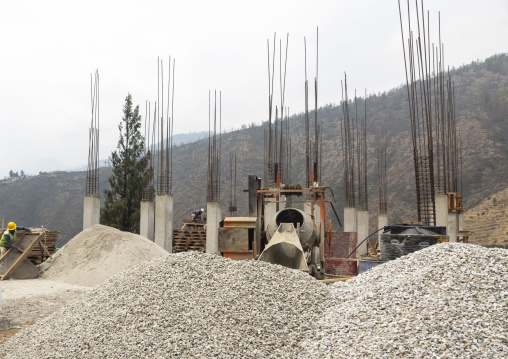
[447, 301]
[183, 305]
[97, 254]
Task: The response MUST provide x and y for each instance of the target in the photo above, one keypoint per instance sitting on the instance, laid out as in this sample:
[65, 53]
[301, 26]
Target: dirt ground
[26, 301]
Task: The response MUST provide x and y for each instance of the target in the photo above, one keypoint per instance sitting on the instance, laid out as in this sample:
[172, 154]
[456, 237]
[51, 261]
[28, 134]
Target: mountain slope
[488, 221]
[481, 95]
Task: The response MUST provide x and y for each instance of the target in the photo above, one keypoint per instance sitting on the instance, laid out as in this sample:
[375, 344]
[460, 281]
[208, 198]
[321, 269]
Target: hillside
[481, 95]
[489, 221]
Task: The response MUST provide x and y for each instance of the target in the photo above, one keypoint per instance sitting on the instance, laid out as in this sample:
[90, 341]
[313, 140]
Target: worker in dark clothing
[197, 214]
[8, 237]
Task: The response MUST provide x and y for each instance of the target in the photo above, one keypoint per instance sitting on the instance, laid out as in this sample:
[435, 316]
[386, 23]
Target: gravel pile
[447, 301]
[184, 305]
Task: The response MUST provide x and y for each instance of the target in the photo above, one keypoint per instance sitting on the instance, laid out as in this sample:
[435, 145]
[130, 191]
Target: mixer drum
[308, 231]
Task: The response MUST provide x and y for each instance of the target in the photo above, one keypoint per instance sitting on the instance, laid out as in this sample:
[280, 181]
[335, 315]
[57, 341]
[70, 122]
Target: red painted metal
[336, 250]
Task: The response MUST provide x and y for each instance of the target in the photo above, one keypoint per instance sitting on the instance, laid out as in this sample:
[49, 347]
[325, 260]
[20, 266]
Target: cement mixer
[290, 233]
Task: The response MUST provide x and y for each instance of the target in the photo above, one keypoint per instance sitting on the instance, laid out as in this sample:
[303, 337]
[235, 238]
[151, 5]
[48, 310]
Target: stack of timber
[187, 240]
[37, 255]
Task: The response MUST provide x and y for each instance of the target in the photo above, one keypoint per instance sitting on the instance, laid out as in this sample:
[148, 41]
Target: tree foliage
[130, 174]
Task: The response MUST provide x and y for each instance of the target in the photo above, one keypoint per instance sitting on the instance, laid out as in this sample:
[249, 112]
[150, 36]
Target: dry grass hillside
[489, 221]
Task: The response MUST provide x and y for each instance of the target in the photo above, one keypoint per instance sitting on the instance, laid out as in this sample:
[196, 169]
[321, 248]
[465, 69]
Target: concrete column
[147, 219]
[363, 231]
[452, 226]
[213, 217]
[270, 210]
[382, 221]
[91, 211]
[461, 224]
[163, 234]
[441, 210]
[349, 219]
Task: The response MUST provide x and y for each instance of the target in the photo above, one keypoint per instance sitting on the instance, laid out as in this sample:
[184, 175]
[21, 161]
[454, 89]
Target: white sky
[50, 48]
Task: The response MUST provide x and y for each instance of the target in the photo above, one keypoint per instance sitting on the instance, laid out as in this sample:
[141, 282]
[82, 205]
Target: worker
[196, 214]
[8, 237]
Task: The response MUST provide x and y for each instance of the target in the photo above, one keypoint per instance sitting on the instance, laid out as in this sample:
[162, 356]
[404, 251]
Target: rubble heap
[446, 301]
[183, 305]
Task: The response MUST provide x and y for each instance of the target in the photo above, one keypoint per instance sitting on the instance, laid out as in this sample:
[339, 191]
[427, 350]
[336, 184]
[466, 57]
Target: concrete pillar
[270, 210]
[452, 226]
[91, 211]
[213, 217]
[349, 219]
[362, 231]
[163, 234]
[382, 221]
[441, 210]
[461, 224]
[147, 219]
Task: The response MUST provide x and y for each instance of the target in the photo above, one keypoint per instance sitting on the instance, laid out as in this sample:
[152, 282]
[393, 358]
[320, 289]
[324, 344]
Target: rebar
[165, 128]
[232, 193]
[92, 174]
[214, 150]
[348, 148]
[418, 81]
[382, 175]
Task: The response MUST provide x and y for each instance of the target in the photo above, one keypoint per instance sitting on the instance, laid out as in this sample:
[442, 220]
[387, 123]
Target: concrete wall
[452, 227]
[270, 210]
[213, 217]
[441, 210]
[163, 234]
[382, 220]
[363, 231]
[349, 219]
[147, 219]
[91, 211]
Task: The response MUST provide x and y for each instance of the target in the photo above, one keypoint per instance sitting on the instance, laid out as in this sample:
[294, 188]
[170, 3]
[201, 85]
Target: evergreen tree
[130, 174]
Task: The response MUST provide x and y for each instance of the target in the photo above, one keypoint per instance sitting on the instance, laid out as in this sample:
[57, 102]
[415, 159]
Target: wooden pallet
[189, 240]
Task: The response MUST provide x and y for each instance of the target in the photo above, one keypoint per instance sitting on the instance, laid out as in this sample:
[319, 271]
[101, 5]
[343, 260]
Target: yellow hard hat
[11, 226]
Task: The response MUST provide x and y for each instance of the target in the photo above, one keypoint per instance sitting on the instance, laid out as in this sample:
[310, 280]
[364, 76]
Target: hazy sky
[50, 48]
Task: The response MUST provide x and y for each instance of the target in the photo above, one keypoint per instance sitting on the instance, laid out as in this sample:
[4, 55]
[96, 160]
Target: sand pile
[97, 254]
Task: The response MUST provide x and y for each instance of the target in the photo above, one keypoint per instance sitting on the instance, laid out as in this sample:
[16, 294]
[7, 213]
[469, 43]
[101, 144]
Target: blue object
[366, 264]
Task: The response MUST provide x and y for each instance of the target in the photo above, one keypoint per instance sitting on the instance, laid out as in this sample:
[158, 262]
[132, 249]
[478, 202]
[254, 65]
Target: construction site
[294, 276]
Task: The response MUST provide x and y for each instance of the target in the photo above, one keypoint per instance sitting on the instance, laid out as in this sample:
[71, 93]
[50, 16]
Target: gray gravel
[184, 305]
[447, 301]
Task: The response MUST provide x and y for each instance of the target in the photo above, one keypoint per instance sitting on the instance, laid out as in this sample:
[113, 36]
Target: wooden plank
[26, 243]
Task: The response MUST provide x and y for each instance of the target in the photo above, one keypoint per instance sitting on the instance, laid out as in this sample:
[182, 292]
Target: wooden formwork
[185, 240]
[37, 255]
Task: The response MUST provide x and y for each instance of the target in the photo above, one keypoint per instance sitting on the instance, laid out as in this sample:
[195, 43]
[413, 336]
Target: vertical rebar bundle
[232, 193]
[92, 174]
[275, 143]
[418, 81]
[312, 156]
[148, 192]
[361, 144]
[348, 148]
[165, 127]
[382, 176]
[214, 150]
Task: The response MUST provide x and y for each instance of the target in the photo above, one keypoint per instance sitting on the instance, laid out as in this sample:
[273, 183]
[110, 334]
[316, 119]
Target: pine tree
[130, 174]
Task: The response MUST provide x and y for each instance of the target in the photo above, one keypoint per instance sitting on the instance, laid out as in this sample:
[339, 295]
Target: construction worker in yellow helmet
[6, 242]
